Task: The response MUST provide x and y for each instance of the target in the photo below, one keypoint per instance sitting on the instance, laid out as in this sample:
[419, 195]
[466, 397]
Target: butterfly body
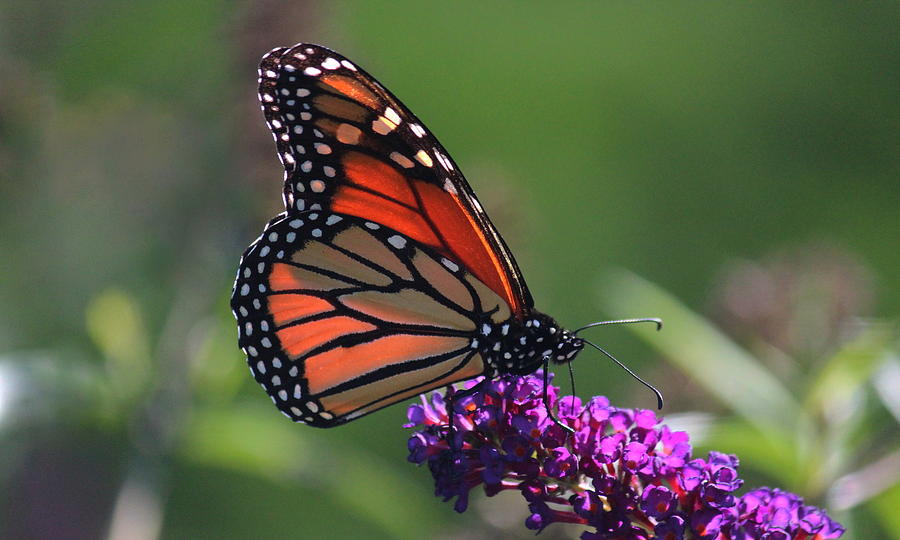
[383, 278]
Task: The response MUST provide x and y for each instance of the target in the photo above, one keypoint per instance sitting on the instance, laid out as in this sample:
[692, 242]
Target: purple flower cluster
[621, 473]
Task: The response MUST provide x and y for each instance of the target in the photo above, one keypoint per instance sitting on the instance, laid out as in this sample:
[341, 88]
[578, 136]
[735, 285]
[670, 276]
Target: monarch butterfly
[383, 278]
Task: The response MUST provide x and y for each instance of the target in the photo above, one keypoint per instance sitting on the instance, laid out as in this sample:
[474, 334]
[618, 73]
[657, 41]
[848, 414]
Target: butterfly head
[524, 346]
[568, 348]
[566, 345]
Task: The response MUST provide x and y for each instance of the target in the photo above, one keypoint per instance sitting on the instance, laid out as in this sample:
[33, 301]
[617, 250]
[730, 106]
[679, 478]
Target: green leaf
[115, 325]
[847, 370]
[695, 346]
[837, 396]
[885, 508]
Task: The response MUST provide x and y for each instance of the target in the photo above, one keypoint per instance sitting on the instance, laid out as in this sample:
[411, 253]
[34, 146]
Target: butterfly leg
[550, 414]
[452, 399]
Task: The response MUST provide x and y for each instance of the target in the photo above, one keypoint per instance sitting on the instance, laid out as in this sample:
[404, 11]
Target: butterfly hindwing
[340, 316]
[349, 146]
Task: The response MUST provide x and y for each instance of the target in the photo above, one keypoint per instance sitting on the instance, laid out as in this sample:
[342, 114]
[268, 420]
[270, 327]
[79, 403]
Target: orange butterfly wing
[340, 317]
[349, 146]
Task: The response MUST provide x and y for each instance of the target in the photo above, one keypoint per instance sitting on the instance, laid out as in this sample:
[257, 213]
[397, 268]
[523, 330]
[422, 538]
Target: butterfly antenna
[659, 397]
[657, 322]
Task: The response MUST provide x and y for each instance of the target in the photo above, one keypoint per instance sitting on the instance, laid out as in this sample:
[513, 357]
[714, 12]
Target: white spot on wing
[449, 187]
[397, 241]
[383, 126]
[423, 158]
[450, 264]
[312, 71]
[402, 160]
[331, 63]
[392, 115]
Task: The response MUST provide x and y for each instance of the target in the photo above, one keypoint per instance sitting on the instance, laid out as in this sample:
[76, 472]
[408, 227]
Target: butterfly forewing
[349, 146]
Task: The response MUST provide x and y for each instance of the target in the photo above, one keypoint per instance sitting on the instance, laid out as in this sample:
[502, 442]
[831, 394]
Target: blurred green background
[732, 168]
